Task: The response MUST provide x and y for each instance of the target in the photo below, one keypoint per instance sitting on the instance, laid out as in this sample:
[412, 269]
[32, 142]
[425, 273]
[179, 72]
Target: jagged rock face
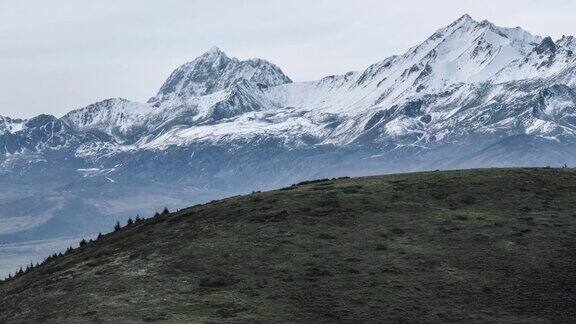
[465, 97]
[116, 120]
[43, 132]
[11, 125]
[214, 71]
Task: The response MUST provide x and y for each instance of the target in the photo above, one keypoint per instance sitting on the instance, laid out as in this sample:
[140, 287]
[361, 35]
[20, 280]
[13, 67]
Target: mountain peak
[213, 51]
[465, 21]
[465, 18]
[214, 71]
[546, 46]
[567, 42]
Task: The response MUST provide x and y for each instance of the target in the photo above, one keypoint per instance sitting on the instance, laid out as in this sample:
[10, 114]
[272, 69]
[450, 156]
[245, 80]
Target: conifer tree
[130, 221]
[165, 211]
[117, 227]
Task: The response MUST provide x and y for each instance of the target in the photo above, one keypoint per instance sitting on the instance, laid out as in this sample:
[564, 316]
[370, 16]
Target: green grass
[494, 245]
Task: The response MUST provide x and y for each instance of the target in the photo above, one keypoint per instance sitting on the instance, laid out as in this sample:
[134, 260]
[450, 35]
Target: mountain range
[471, 95]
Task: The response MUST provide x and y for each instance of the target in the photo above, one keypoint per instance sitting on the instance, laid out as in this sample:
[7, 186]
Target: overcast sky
[60, 55]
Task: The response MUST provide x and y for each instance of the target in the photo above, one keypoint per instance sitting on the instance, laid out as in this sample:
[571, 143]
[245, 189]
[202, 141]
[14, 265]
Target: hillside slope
[493, 245]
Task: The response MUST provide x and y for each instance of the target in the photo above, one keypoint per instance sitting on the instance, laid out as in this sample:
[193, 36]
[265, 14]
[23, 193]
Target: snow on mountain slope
[43, 132]
[547, 60]
[10, 125]
[466, 51]
[287, 124]
[210, 88]
[115, 117]
[214, 71]
[418, 94]
[467, 78]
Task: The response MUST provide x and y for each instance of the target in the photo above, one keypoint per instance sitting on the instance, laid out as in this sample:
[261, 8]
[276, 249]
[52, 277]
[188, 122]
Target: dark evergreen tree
[130, 221]
[99, 236]
[117, 227]
[165, 211]
[138, 218]
[83, 242]
[68, 250]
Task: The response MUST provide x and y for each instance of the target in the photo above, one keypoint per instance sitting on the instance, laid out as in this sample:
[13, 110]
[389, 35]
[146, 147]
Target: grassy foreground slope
[467, 246]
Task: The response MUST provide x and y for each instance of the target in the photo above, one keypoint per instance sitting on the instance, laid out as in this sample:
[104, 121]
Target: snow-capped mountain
[213, 72]
[472, 94]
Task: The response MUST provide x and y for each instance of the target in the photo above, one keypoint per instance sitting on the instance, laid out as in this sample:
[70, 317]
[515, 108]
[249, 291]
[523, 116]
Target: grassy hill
[493, 245]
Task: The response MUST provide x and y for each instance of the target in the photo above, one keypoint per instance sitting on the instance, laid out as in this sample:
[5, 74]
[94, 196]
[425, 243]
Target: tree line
[117, 227]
